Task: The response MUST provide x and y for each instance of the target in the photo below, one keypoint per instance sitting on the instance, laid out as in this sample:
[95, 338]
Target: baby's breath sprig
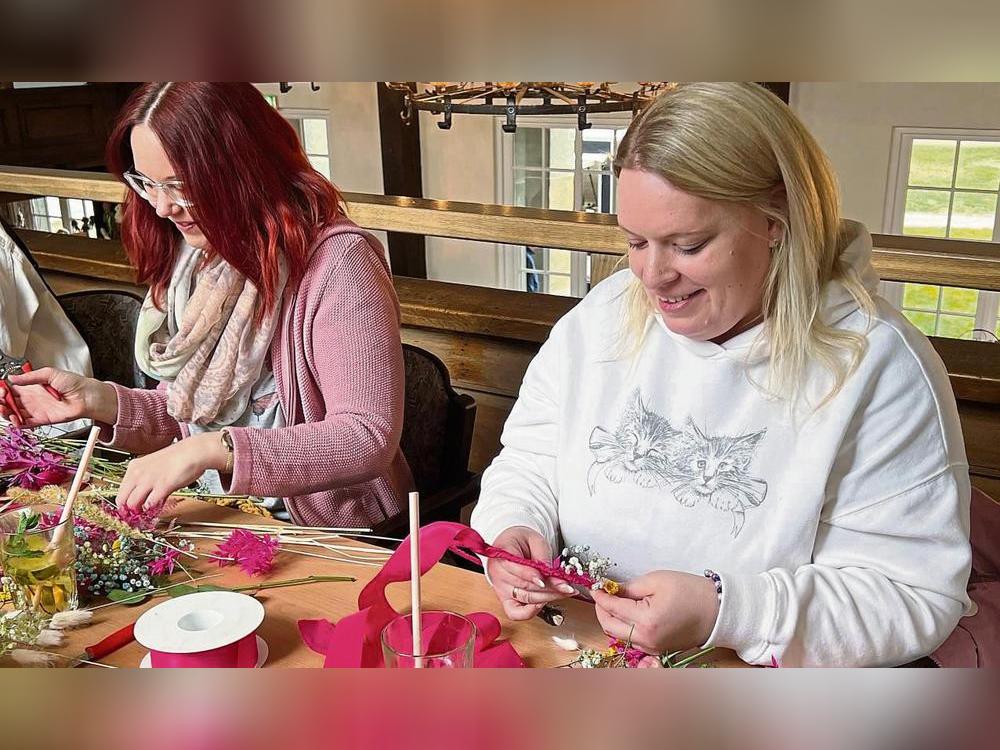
[580, 561]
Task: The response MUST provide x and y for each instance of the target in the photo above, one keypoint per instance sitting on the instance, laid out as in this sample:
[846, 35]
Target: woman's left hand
[661, 612]
[151, 479]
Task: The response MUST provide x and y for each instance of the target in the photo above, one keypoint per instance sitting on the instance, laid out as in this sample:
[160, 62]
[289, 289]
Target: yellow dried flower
[612, 587]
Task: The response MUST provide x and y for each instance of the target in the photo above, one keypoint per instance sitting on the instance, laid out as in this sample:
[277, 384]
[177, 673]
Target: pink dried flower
[24, 464]
[137, 519]
[254, 553]
[164, 565]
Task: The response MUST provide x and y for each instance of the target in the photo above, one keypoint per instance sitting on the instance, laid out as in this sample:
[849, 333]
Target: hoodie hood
[856, 254]
[836, 303]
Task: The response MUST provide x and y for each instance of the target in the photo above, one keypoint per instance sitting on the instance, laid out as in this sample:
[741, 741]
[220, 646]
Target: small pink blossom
[254, 553]
[164, 566]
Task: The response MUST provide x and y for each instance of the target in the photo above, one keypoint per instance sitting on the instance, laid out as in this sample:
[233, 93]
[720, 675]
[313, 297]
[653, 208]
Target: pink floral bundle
[25, 463]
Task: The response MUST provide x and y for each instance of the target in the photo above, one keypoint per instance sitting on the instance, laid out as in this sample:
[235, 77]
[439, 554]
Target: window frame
[897, 184]
[510, 260]
[295, 116]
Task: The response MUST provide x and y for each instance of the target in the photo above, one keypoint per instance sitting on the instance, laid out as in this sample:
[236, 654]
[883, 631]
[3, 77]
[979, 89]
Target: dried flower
[70, 619]
[164, 565]
[254, 553]
[25, 463]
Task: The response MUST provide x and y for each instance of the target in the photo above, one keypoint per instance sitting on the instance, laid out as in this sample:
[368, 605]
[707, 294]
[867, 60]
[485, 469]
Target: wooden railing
[960, 263]
[486, 337]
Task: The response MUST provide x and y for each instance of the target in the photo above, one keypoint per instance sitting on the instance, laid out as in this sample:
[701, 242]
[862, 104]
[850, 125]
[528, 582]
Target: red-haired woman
[271, 320]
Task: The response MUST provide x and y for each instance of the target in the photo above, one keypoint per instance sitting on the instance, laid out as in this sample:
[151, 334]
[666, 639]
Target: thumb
[620, 607]
[637, 588]
[35, 377]
[538, 548]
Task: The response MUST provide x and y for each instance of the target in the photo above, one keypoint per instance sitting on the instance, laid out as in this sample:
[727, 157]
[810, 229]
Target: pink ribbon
[242, 654]
[355, 640]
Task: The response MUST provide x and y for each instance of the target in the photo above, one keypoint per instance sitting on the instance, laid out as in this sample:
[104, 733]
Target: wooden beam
[401, 175]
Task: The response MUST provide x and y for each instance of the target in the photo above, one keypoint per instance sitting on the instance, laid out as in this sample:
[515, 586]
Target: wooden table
[444, 587]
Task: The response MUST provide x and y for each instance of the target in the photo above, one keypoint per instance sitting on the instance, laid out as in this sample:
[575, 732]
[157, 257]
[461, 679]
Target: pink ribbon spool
[242, 655]
[209, 629]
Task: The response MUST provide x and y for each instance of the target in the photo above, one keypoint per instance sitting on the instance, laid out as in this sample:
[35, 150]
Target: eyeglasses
[150, 189]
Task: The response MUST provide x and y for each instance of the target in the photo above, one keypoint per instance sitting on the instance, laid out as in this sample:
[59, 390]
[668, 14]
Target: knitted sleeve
[143, 424]
[354, 353]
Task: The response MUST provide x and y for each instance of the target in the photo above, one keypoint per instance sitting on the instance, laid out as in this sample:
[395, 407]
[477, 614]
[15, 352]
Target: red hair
[255, 195]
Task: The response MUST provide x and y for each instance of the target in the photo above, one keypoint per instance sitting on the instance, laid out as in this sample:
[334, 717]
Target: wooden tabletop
[444, 587]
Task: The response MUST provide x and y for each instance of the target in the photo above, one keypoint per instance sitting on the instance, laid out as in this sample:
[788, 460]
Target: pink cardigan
[338, 365]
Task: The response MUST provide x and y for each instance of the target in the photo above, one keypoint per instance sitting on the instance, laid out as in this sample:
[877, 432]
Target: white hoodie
[841, 539]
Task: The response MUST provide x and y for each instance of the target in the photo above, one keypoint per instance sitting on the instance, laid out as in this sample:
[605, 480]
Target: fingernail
[540, 583]
[566, 588]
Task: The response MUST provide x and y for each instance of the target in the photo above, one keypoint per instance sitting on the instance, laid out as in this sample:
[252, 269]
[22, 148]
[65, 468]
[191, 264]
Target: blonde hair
[738, 143]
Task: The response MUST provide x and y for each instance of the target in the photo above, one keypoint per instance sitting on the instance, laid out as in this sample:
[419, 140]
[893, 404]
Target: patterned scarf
[205, 345]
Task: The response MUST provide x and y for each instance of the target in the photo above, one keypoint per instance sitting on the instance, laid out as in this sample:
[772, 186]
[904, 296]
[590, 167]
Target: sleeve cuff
[113, 434]
[239, 483]
[746, 616]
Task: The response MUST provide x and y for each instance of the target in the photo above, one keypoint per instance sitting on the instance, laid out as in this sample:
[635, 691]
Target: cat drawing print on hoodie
[647, 450]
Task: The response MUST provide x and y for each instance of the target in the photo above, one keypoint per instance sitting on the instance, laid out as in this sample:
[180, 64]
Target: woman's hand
[83, 398]
[521, 589]
[151, 479]
[660, 612]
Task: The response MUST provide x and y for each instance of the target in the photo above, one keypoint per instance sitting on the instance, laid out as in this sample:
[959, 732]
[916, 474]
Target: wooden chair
[436, 440]
[107, 322]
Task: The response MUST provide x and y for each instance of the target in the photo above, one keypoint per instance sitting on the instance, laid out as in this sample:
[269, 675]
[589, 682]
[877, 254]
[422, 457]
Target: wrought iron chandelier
[510, 99]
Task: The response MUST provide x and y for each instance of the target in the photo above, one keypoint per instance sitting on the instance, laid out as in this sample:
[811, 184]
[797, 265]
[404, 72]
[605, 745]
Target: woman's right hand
[82, 398]
[521, 589]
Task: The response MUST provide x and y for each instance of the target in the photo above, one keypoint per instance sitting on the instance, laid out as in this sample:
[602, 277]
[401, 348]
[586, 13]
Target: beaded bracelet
[714, 577]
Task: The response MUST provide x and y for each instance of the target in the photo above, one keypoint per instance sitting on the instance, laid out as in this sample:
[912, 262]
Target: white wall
[853, 123]
[355, 148]
[458, 165]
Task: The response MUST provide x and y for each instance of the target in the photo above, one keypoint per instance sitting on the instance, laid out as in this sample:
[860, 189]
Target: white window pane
[528, 147]
[973, 216]
[559, 260]
[978, 165]
[88, 207]
[75, 208]
[55, 224]
[561, 191]
[932, 162]
[559, 285]
[597, 148]
[955, 326]
[52, 207]
[296, 123]
[321, 164]
[529, 189]
[597, 191]
[38, 205]
[40, 223]
[562, 148]
[314, 131]
[926, 213]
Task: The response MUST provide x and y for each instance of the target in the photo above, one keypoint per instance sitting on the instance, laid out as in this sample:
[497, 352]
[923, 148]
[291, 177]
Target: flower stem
[294, 582]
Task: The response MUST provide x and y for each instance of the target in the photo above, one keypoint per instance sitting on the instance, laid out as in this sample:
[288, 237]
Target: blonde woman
[768, 451]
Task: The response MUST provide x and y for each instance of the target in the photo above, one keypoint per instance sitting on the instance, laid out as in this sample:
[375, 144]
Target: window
[946, 184]
[551, 164]
[311, 126]
[63, 215]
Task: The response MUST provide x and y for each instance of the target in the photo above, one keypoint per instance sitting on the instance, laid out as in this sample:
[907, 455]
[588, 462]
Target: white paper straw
[418, 646]
[81, 470]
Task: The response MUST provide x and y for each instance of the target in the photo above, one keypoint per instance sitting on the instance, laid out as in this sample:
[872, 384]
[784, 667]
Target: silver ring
[513, 595]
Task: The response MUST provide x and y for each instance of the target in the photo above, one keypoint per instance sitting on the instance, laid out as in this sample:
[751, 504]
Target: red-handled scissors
[15, 366]
[103, 648]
